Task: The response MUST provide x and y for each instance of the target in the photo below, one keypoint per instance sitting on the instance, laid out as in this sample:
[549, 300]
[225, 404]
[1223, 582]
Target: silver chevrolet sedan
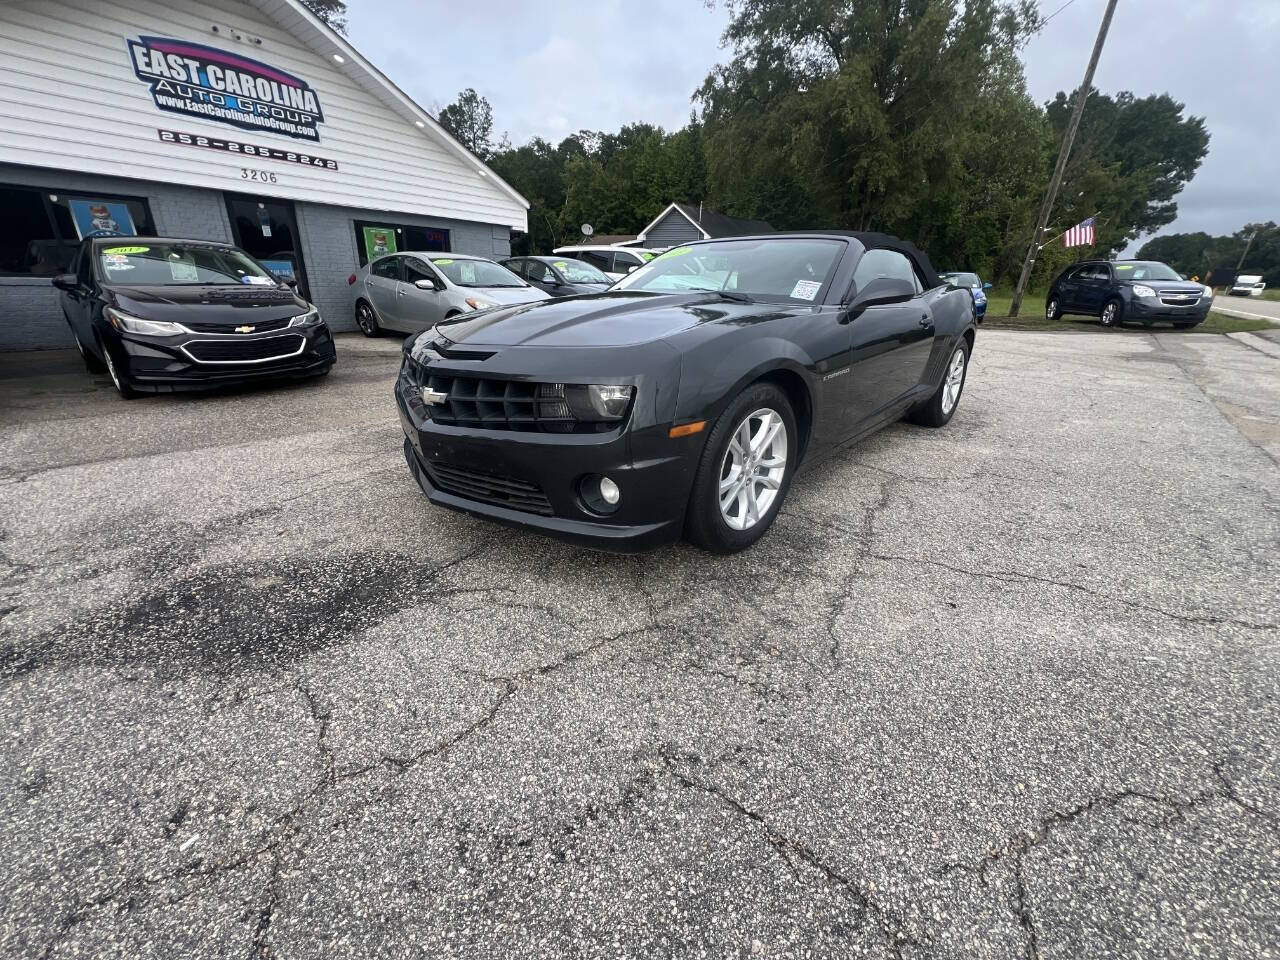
[411, 291]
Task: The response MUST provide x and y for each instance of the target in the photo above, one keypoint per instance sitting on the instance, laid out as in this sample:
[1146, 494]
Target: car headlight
[1208, 291]
[599, 402]
[312, 316]
[476, 303]
[150, 328]
[1142, 290]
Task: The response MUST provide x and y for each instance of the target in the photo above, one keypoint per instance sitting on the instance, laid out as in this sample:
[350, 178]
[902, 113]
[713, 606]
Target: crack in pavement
[1013, 576]
[891, 929]
[1024, 843]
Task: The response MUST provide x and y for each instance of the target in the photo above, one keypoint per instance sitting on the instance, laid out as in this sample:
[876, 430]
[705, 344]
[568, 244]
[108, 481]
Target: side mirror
[426, 285]
[67, 282]
[882, 290]
[986, 286]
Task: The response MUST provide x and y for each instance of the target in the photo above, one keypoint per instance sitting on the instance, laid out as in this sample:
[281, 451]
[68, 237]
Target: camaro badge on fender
[245, 329]
[433, 396]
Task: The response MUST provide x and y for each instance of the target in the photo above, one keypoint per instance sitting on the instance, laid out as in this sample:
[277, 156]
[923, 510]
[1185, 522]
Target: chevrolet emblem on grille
[245, 329]
[433, 397]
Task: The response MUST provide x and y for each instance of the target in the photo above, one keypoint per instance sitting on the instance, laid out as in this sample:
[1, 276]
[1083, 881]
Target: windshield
[179, 264]
[575, 271]
[1145, 270]
[790, 269]
[961, 279]
[477, 273]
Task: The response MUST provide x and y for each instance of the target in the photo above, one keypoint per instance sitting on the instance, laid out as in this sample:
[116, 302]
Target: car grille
[262, 326]
[489, 488]
[1179, 299]
[517, 405]
[244, 351]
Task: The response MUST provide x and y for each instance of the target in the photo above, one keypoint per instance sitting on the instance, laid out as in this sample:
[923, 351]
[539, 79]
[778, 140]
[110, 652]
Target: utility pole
[1246, 252]
[1068, 139]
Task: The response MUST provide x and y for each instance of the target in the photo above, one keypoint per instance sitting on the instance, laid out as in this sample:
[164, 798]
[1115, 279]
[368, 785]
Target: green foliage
[907, 116]
[470, 120]
[1200, 253]
[1132, 156]
[332, 12]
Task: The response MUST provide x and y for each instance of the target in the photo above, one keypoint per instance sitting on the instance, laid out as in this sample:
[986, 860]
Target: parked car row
[1116, 291]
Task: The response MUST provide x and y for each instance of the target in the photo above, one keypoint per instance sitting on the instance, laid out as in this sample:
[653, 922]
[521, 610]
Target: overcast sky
[551, 68]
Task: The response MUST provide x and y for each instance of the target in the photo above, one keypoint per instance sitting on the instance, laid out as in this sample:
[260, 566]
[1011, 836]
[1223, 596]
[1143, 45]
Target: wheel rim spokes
[954, 382]
[753, 468]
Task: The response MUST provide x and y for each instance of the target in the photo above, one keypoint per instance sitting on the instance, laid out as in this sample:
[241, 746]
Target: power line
[1056, 12]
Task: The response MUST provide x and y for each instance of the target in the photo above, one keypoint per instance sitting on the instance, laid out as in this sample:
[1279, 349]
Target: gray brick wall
[30, 317]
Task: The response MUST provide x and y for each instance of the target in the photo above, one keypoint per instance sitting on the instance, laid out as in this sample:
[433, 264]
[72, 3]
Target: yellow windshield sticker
[678, 252]
[443, 263]
[1124, 266]
[561, 264]
[126, 250]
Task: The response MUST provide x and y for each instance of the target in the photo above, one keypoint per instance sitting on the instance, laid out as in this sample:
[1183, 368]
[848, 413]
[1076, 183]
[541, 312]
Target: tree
[470, 120]
[842, 113]
[332, 12]
[1132, 157]
[1200, 254]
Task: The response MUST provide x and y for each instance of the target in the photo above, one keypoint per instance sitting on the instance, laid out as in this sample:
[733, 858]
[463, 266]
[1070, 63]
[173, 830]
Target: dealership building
[247, 122]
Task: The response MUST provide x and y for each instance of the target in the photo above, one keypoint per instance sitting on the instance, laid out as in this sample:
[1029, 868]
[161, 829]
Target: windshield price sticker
[468, 271]
[806, 289]
[678, 252]
[125, 251]
[257, 281]
[183, 271]
[443, 263]
[558, 264]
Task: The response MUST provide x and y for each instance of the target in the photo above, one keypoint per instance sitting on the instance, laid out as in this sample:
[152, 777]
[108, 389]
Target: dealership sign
[200, 81]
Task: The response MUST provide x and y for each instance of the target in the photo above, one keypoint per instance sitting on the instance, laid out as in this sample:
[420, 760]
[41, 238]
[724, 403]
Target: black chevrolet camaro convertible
[682, 401]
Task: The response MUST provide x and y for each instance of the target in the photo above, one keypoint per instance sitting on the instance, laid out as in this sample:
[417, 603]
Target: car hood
[604, 319]
[227, 304]
[505, 294]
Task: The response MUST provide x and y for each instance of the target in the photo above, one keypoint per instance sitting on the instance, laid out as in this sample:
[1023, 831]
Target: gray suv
[411, 291]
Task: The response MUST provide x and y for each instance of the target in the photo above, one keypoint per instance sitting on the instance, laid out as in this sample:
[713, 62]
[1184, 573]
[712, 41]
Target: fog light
[609, 491]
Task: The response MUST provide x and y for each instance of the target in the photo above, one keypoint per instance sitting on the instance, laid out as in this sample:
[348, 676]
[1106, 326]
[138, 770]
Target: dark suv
[1116, 291]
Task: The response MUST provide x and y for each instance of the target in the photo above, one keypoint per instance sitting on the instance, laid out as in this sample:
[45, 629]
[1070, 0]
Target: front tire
[938, 410]
[366, 320]
[745, 471]
[1052, 308]
[118, 379]
[91, 363]
[1112, 315]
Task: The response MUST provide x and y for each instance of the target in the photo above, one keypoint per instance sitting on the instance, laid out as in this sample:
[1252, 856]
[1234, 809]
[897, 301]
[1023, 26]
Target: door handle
[926, 321]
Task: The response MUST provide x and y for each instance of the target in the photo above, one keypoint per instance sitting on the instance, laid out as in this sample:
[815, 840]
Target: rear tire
[366, 319]
[938, 410]
[756, 440]
[1052, 308]
[1112, 315]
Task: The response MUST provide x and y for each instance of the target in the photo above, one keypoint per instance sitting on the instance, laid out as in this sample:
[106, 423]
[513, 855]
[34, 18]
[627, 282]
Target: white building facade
[246, 121]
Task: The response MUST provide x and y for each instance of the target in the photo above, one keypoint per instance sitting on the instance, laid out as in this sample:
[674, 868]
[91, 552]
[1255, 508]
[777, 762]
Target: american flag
[1081, 235]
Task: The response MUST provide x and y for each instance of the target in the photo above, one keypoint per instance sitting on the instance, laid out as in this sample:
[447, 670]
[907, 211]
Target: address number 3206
[262, 176]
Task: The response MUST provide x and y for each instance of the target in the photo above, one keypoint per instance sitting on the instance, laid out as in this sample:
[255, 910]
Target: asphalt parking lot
[1006, 689]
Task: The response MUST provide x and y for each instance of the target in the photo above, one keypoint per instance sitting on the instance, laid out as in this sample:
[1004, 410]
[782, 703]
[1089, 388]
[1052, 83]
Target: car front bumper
[169, 364]
[533, 480]
[1148, 309]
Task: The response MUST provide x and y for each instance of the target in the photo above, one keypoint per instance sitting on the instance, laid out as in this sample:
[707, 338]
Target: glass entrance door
[267, 230]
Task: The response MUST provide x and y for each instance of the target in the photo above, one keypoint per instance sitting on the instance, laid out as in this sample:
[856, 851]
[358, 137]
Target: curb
[1254, 342]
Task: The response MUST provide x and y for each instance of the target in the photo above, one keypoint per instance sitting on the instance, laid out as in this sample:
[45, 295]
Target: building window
[375, 239]
[43, 228]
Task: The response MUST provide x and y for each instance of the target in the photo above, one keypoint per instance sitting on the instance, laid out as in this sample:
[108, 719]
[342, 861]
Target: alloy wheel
[1051, 310]
[954, 383]
[753, 467]
[1109, 315]
[365, 319]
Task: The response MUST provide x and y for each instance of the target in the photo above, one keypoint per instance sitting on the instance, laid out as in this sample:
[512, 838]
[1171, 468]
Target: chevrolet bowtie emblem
[433, 397]
[245, 329]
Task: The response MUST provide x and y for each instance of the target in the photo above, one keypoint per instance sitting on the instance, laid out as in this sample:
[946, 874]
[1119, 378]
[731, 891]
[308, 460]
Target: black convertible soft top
[884, 241]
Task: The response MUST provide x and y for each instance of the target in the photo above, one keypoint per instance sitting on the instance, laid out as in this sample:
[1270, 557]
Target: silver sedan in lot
[411, 291]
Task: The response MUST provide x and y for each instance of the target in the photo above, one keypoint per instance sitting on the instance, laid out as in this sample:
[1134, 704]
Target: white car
[411, 291]
[615, 262]
[1248, 286]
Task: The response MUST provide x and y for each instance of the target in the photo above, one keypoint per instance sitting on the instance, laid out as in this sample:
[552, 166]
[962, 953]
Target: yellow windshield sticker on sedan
[678, 252]
[1124, 266]
[126, 250]
[560, 264]
[443, 263]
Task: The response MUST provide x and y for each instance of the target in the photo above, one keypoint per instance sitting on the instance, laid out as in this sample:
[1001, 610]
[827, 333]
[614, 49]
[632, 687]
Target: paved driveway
[1007, 689]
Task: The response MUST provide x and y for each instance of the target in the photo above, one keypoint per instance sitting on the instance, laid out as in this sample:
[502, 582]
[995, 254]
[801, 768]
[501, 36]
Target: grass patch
[1031, 317]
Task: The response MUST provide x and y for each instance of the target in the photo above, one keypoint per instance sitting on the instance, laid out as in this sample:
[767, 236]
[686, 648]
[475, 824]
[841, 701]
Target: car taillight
[351, 279]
